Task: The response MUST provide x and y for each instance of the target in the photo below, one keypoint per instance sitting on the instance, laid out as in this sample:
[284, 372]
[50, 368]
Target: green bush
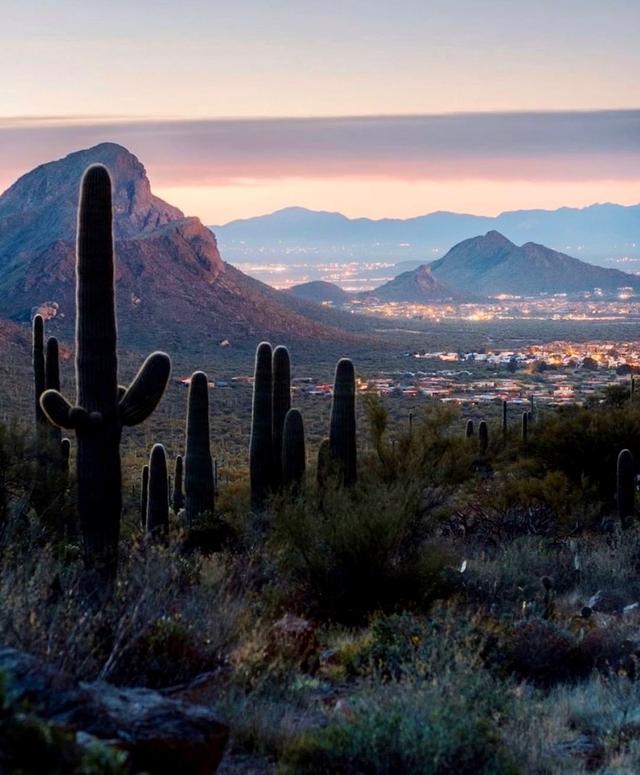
[448, 725]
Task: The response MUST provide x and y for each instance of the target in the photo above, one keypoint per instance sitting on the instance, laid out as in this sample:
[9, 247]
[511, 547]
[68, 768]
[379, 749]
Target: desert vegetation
[418, 593]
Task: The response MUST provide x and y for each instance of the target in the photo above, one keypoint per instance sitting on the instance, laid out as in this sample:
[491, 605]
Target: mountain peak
[496, 238]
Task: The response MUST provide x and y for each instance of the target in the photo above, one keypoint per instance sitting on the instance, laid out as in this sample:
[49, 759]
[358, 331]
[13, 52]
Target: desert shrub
[353, 551]
[541, 652]
[168, 618]
[584, 444]
[449, 724]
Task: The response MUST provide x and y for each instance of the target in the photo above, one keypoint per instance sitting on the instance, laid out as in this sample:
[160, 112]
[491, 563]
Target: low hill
[320, 291]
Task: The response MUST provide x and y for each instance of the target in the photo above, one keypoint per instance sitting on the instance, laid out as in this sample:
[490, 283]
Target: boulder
[159, 734]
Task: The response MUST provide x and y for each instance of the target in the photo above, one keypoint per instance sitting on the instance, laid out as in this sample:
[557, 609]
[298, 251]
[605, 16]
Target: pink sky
[395, 166]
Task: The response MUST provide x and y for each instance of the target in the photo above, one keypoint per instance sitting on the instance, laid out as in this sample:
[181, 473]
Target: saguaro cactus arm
[57, 409]
[146, 390]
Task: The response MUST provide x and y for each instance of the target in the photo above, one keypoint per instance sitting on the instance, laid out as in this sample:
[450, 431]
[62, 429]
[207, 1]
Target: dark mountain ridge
[171, 280]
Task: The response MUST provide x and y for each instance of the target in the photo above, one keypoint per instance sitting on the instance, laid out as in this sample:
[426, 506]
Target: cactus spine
[293, 451]
[342, 433]
[101, 410]
[483, 437]
[177, 498]
[261, 447]
[198, 465]
[144, 496]
[625, 487]
[281, 366]
[158, 497]
[468, 431]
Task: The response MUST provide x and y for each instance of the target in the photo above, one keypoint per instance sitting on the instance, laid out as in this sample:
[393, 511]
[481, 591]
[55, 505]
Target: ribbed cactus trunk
[144, 495]
[468, 429]
[505, 425]
[39, 373]
[281, 366]
[177, 497]
[626, 487]
[52, 382]
[323, 465]
[198, 465]
[261, 446]
[158, 499]
[294, 458]
[101, 409]
[342, 433]
[483, 437]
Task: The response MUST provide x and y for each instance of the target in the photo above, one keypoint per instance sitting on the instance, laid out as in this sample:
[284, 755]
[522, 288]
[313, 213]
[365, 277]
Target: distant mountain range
[173, 286]
[486, 266]
[596, 233]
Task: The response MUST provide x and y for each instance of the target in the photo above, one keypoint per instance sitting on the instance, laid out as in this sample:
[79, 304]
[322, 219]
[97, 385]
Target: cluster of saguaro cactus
[102, 409]
[626, 487]
[261, 444]
[342, 432]
[277, 440]
[198, 465]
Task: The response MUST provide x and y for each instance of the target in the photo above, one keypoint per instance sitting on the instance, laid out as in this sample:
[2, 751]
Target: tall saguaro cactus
[342, 432]
[281, 366]
[198, 465]
[52, 381]
[293, 451]
[158, 500]
[483, 437]
[625, 487]
[261, 446]
[101, 409]
[468, 429]
[177, 497]
[505, 426]
[39, 372]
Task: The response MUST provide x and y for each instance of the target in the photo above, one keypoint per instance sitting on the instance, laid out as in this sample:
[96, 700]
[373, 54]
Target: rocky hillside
[492, 264]
[418, 286]
[320, 292]
[173, 286]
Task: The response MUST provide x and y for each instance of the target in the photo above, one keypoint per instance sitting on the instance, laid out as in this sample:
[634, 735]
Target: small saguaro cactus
[144, 496]
[525, 426]
[625, 487]
[323, 466]
[38, 360]
[410, 425]
[342, 433]
[293, 451]
[468, 430]
[65, 454]
[102, 409]
[261, 446]
[177, 497]
[505, 426]
[198, 465]
[483, 437]
[158, 499]
[281, 365]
